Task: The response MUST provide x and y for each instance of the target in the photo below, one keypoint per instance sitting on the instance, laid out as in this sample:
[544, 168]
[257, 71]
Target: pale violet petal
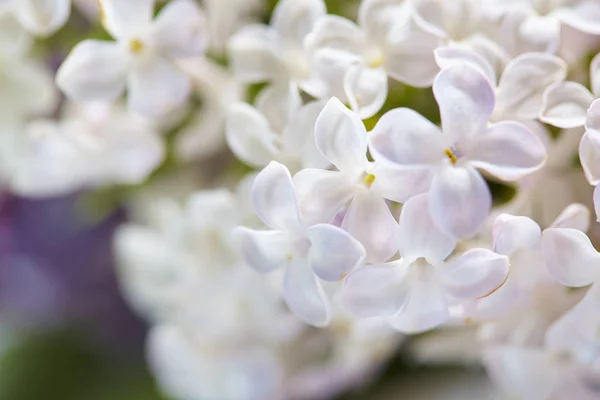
[574, 216]
[466, 101]
[322, 194]
[366, 90]
[274, 198]
[475, 274]
[125, 19]
[375, 290]
[333, 252]
[405, 137]
[341, 136]
[264, 251]
[180, 30]
[249, 135]
[512, 233]
[370, 221]
[570, 256]
[419, 236]
[565, 104]
[294, 19]
[304, 294]
[425, 307]
[459, 200]
[400, 184]
[507, 150]
[520, 90]
[94, 70]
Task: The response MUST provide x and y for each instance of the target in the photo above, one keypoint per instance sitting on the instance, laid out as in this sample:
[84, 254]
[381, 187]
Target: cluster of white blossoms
[365, 220]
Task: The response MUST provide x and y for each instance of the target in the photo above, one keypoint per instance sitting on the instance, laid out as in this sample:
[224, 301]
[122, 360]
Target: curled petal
[475, 274]
[294, 19]
[157, 87]
[304, 295]
[459, 201]
[589, 155]
[574, 216]
[370, 221]
[94, 70]
[597, 202]
[180, 30]
[521, 87]
[274, 198]
[565, 104]
[448, 56]
[595, 74]
[341, 137]
[279, 103]
[425, 306]
[419, 236]
[333, 252]
[249, 135]
[123, 19]
[264, 251]
[570, 256]
[366, 90]
[375, 290]
[512, 233]
[508, 150]
[322, 194]
[405, 137]
[466, 100]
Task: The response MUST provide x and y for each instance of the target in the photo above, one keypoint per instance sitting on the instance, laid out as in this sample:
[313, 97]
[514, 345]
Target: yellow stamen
[450, 154]
[369, 179]
[136, 46]
[376, 62]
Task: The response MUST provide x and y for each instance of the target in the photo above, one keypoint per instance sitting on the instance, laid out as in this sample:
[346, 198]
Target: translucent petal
[264, 251]
[366, 90]
[565, 104]
[511, 233]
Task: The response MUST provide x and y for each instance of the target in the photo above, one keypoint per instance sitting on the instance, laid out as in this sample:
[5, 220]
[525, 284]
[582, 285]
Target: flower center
[136, 46]
[369, 179]
[451, 155]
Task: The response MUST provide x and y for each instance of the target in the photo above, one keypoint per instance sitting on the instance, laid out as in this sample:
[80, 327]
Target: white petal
[511, 233]
[125, 19]
[94, 70]
[179, 30]
[333, 252]
[405, 137]
[156, 88]
[336, 33]
[595, 74]
[294, 19]
[459, 201]
[574, 216]
[475, 274]
[521, 87]
[264, 251]
[597, 202]
[366, 90]
[274, 198]
[279, 103]
[507, 150]
[570, 256]
[375, 290]
[565, 104]
[253, 55]
[419, 236]
[370, 221]
[42, 17]
[589, 155]
[299, 135]
[408, 54]
[322, 194]
[249, 136]
[466, 100]
[14, 39]
[400, 184]
[304, 295]
[425, 307]
[341, 136]
[448, 56]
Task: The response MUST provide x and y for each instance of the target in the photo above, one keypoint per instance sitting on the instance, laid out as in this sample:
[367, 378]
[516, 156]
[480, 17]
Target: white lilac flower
[306, 252]
[460, 199]
[416, 291]
[142, 59]
[98, 145]
[275, 53]
[279, 128]
[520, 85]
[358, 188]
[353, 61]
